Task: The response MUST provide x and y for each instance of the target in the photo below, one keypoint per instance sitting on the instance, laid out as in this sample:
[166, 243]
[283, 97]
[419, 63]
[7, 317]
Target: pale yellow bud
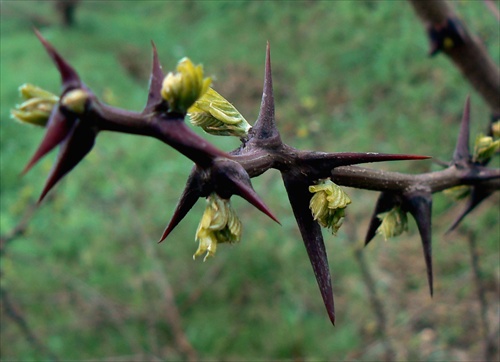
[38, 106]
[75, 100]
[495, 129]
[184, 87]
[219, 224]
[328, 204]
[394, 223]
[484, 148]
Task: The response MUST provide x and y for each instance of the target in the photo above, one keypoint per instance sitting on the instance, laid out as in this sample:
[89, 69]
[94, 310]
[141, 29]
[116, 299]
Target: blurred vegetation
[88, 276]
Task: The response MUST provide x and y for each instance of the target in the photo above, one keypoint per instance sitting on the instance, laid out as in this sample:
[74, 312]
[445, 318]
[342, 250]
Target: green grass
[349, 76]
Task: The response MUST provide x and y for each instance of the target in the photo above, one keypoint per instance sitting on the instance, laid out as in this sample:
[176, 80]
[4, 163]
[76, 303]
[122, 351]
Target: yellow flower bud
[328, 204]
[485, 148]
[394, 223]
[495, 129]
[75, 100]
[217, 116]
[185, 87]
[219, 224]
[37, 107]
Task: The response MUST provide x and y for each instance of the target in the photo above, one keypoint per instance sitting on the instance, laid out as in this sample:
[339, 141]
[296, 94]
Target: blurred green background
[88, 277]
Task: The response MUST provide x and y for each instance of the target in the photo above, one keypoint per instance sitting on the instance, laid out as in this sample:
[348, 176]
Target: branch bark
[469, 55]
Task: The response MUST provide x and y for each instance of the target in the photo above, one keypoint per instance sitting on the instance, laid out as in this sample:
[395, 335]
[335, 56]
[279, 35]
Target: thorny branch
[79, 116]
[449, 35]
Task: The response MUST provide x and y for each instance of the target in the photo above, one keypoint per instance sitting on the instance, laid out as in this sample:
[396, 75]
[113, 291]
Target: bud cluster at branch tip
[186, 86]
[394, 223]
[219, 224]
[37, 107]
[484, 148]
[217, 116]
[328, 204]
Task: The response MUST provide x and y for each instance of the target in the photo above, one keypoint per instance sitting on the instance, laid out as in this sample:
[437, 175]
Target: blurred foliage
[348, 76]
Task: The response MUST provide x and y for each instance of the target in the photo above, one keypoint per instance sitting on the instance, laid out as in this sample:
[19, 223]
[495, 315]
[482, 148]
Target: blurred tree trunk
[67, 9]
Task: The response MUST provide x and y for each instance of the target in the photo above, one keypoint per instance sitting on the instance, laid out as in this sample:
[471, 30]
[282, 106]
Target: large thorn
[73, 149]
[299, 196]
[69, 76]
[58, 128]
[190, 195]
[419, 204]
[265, 126]
[155, 82]
[230, 178]
[477, 196]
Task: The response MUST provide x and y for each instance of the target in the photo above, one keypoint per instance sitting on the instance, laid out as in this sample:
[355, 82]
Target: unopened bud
[185, 87]
[219, 224]
[37, 107]
[328, 204]
[495, 129]
[75, 100]
[484, 148]
[217, 116]
[394, 223]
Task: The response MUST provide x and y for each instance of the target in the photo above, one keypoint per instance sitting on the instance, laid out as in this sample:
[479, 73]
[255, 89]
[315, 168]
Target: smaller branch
[467, 52]
[12, 312]
[490, 347]
[19, 229]
[377, 180]
[376, 303]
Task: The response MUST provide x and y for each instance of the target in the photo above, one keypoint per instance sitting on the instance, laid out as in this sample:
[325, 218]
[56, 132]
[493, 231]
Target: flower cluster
[37, 107]
[328, 204]
[219, 224]
[184, 87]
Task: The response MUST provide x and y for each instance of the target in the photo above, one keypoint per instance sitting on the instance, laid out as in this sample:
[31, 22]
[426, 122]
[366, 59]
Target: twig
[375, 302]
[19, 229]
[10, 310]
[490, 347]
[466, 51]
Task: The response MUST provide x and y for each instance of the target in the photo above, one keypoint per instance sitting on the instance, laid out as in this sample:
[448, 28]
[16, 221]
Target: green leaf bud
[184, 87]
[217, 116]
[37, 107]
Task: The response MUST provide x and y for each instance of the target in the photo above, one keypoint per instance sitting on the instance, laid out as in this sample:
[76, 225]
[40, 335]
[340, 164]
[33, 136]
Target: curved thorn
[248, 193]
[69, 76]
[187, 200]
[419, 205]
[73, 149]
[299, 197]
[155, 82]
[476, 198]
[58, 128]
